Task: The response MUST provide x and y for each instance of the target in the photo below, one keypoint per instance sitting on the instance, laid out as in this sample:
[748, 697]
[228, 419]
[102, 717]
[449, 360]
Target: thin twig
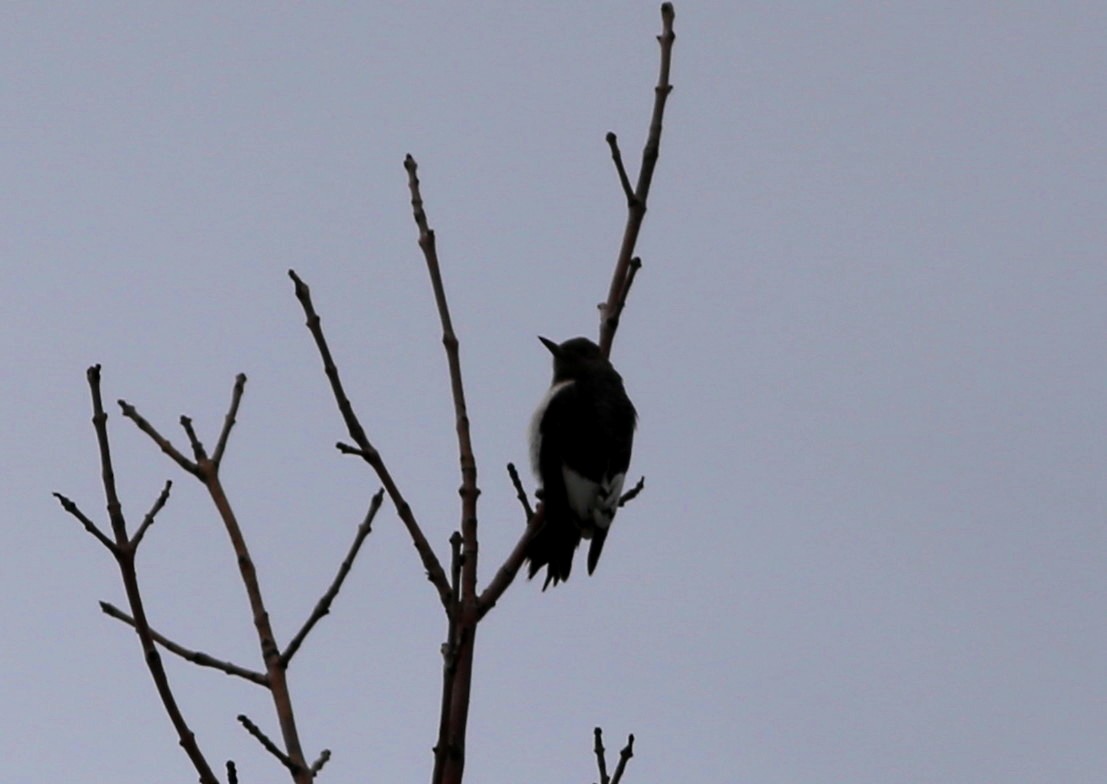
[366, 450]
[90, 526]
[520, 492]
[624, 758]
[636, 209]
[264, 740]
[455, 565]
[229, 420]
[232, 772]
[324, 757]
[323, 606]
[163, 443]
[632, 493]
[615, 315]
[617, 157]
[505, 575]
[601, 760]
[149, 519]
[193, 440]
[198, 658]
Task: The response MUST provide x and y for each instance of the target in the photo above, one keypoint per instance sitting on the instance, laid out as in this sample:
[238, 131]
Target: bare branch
[324, 757]
[196, 657]
[636, 209]
[520, 492]
[366, 450]
[229, 420]
[601, 761]
[232, 772]
[617, 157]
[163, 443]
[455, 565]
[469, 490]
[90, 526]
[624, 758]
[510, 567]
[264, 740]
[323, 606]
[632, 493]
[462, 615]
[194, 442]
[124, 554]
[149, 519]
[615, 315]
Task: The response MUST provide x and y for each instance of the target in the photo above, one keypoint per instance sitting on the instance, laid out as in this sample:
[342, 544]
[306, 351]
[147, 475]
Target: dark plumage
[580, 441]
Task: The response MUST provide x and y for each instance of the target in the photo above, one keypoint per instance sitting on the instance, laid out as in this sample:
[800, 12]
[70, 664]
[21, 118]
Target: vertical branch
[124, 552]
[449, 754]
[636, 202]
[469, 490]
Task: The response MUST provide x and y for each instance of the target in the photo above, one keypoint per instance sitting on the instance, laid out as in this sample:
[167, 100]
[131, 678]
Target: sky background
[867, 347]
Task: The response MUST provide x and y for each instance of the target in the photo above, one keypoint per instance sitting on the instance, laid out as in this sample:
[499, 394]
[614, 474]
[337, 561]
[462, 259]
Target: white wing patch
[593, 502]
[535, 430]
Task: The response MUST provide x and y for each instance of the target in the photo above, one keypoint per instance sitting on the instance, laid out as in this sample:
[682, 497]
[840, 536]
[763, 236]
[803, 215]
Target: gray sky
[867, 348]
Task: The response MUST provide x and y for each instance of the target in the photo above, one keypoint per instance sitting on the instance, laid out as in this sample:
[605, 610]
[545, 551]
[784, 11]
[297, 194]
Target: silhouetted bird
[580, 442]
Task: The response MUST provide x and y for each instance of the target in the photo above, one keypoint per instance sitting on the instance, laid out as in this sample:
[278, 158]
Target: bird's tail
[596, 547]
[553, 547]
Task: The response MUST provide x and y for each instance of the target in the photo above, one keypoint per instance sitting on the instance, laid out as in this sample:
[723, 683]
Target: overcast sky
[867, 347]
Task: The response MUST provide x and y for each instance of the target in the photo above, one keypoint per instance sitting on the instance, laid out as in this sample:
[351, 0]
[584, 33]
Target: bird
[581, 436]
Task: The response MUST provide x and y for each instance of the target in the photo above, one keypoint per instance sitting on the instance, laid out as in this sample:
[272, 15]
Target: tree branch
[268, 744]
[229, 420]
[601, 761]
[520, 492]
[469, 490]
[163, 443]
[450, 749]
[90, 526]
[636, 204]
[624, 758]
[149, 519]
[505, 575]
[366, 450]
[323, 606]
[124, 553]
[196, 657]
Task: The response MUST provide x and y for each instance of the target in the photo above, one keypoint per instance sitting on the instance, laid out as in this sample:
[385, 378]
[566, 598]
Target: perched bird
[580, 442]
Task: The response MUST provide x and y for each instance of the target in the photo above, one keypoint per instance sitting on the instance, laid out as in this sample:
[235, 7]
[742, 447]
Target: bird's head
[574, 357]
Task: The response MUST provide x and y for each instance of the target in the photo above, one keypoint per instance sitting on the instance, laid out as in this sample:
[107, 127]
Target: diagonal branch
[163, 443]
[149, 519]
[520, 492]
[266, 743]
[636, 204]
[505, 575]
[196, 657]
[229, 420]
[323, 606]
[624, 758]
[90, 526]
[366, 450]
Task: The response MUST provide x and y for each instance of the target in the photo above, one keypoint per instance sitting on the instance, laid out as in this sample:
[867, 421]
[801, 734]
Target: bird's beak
[553, 347]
